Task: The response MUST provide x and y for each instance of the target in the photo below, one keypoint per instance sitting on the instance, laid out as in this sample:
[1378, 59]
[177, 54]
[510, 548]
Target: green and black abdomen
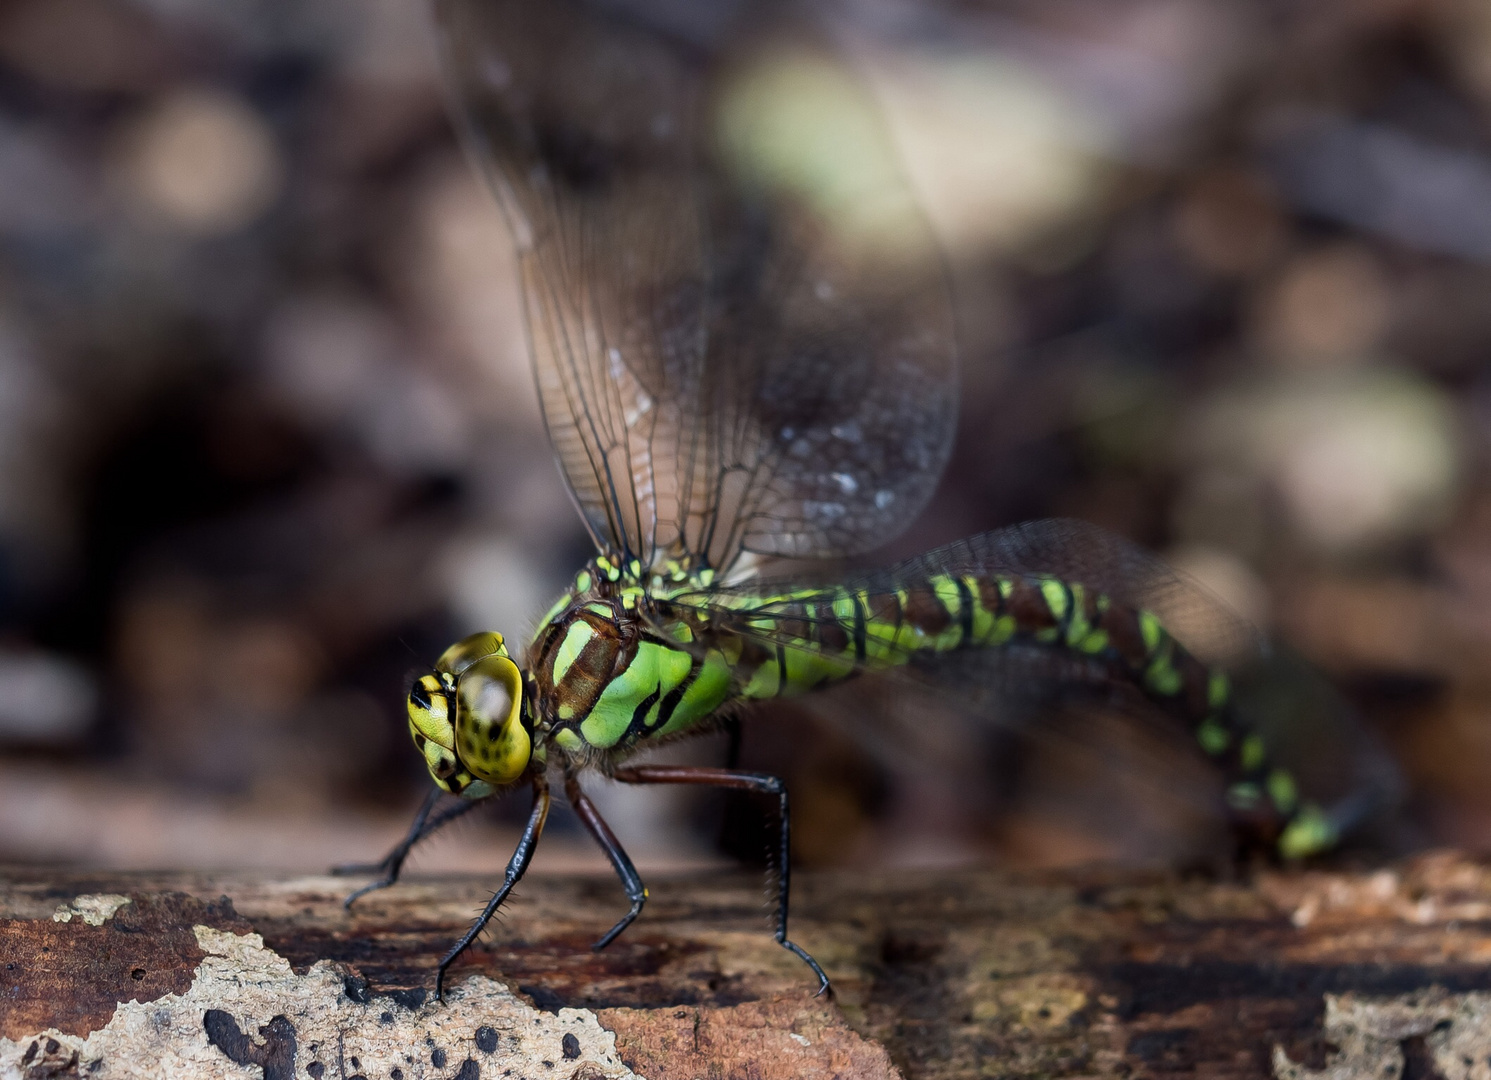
[827, 635]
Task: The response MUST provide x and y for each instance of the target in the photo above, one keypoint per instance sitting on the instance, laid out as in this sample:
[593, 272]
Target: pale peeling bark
[248, 1015]
[1447, 1036]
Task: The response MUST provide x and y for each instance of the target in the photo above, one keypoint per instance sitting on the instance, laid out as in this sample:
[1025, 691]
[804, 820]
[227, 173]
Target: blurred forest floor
[267, 437]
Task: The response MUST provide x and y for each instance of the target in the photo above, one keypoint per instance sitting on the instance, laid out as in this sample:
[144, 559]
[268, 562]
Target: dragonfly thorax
[613, 664]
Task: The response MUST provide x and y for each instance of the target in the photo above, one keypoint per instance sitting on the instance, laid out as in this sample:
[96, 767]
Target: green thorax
[612, 664]
[619, 659]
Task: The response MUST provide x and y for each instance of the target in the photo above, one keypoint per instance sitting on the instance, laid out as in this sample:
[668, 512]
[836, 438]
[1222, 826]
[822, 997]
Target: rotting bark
[952, 974]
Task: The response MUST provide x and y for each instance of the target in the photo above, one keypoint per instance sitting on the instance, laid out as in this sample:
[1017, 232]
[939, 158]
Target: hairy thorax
[614, 665]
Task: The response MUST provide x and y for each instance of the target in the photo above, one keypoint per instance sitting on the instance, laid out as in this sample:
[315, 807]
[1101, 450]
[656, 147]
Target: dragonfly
[741, 333]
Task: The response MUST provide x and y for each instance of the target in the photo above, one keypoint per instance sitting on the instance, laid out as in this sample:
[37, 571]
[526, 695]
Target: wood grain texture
[937, 975]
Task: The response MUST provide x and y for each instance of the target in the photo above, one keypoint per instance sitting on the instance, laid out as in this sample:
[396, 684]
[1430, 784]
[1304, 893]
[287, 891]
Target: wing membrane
[733, 352]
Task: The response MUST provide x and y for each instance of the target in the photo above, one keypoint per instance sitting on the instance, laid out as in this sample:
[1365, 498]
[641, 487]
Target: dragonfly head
[467, 718]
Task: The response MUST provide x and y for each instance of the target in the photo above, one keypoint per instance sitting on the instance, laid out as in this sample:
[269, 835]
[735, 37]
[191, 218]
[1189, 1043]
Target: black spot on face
[396, 1073]
[437, 1058]
[315, 1068]
[470, 1070]
[486, 1039]
[571, 1045]
[137, 974]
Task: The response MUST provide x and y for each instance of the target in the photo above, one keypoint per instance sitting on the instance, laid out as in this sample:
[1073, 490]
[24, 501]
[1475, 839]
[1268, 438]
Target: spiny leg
[743, 781]
[392, 864]
[516, 866]
[596, 825]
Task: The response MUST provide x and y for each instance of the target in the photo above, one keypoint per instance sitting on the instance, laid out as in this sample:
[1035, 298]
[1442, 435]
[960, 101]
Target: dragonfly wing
[560, 153]
[734, 352]
[1097, 769]
[940, 713]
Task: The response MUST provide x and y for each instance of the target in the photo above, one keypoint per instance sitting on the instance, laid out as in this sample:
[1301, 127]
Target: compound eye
[442, 764]
[490, 699]
[470, 651]
[491, 739]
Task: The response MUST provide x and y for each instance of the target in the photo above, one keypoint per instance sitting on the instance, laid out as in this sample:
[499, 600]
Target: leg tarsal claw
[373, 886]
[615, 931]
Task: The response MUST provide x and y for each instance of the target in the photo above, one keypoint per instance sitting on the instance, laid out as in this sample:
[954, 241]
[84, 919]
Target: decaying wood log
[937, 975]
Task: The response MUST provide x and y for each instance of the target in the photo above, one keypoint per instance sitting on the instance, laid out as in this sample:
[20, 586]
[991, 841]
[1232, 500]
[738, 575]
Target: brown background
[267, 436]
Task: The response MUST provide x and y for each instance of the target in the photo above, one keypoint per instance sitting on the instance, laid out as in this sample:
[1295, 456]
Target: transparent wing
[937, 716]
[1096, 771]
[740, 325]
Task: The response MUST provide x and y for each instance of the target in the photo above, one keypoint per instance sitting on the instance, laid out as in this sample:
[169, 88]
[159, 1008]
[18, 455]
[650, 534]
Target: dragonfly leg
[416, 828]
[516, 866]
[763, 784]
[392, 864]
[596, 825]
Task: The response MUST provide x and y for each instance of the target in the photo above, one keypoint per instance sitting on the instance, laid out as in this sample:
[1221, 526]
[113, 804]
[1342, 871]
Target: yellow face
[466, 718]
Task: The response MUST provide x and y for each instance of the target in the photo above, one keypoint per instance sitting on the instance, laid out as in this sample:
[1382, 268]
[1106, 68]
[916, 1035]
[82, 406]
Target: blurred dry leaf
[1361, 459]
[459, 267]
[201, 161]
[1331, 305]
[1229, 222]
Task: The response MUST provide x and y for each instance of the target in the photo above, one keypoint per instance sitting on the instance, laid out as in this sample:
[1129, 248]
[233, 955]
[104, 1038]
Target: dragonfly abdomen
[828, 635]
